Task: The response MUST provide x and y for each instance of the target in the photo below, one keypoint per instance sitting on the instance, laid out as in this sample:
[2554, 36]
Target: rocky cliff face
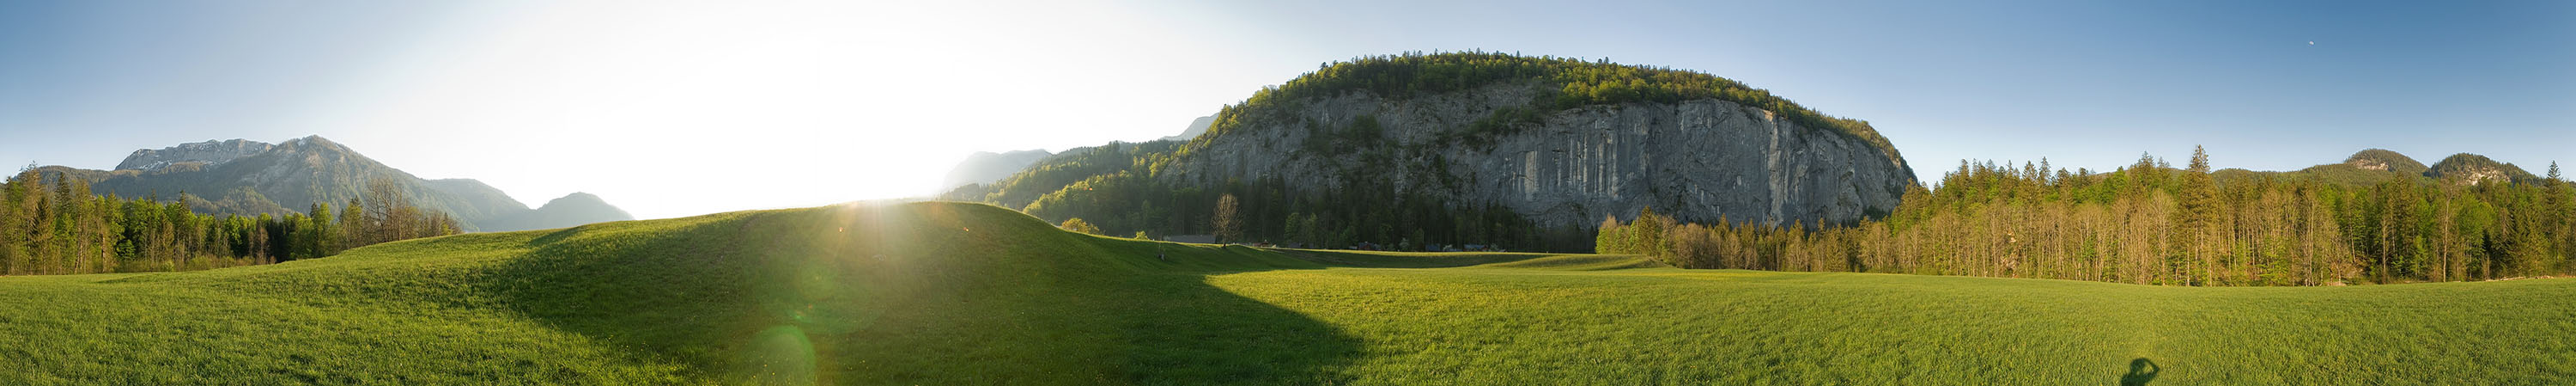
[1697, 160]
[203, 153]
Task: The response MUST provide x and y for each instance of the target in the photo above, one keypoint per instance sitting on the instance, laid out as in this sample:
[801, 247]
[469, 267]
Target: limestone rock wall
[1696, 160]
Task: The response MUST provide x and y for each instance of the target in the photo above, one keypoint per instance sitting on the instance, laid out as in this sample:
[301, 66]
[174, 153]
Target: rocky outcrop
[2472, 169]
[1698, 160]
[206, 153]
[2384, 160]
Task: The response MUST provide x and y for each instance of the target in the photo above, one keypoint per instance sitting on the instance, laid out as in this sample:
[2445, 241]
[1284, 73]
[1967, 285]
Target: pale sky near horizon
[680, 108]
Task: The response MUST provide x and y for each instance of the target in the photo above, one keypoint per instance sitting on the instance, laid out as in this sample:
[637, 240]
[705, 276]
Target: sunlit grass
[939, 293]
[1736, 327]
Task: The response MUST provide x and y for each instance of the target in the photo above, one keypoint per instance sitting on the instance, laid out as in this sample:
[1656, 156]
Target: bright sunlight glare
[668, 109]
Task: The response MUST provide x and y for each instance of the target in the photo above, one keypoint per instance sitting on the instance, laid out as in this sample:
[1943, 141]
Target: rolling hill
[950, 293]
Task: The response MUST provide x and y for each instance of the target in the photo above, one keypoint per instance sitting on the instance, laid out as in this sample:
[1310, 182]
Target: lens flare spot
[780, 355]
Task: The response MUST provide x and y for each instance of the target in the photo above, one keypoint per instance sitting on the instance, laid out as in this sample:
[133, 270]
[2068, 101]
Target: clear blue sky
[662, 106]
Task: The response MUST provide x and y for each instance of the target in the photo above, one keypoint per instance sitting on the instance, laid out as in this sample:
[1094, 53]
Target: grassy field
[940, 293]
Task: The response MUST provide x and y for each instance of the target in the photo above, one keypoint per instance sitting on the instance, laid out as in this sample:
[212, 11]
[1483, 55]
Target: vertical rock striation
[1698, 160]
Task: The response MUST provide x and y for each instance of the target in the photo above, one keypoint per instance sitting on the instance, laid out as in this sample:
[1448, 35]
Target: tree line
[53, 224]
[2150, 223]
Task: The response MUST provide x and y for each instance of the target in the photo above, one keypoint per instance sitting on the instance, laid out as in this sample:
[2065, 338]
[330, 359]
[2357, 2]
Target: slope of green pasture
[946, 293]
[1670, 326]
[1580, 263]
[856, 294]
[1378, 259]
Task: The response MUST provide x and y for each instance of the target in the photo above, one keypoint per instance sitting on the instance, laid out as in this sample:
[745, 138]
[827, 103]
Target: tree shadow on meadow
[911, 294]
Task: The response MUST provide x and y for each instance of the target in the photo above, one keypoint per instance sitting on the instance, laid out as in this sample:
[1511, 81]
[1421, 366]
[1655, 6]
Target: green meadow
[949, 293]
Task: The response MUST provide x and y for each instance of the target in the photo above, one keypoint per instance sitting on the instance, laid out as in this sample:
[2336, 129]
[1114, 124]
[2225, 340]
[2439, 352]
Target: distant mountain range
[984, 167]
[989, 167]
[1197, 126]
[250, 178]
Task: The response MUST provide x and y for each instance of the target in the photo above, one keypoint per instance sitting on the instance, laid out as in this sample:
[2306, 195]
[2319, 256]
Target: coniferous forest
[53, 224]
[2149, 223]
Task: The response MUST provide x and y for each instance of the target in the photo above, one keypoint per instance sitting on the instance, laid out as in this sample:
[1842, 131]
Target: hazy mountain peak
[313, 143]
[570, 210]
[577, 198]
[1197, 126]
[986, 167]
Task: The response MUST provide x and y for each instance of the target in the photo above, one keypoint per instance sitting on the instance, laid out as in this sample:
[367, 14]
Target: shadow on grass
[2141, 371]
[1197, 334]
[911, 294]
[1358, 259]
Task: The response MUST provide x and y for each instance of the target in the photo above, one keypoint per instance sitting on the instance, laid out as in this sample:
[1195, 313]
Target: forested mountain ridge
[2384, 160]
[1473, 148]
[252, 178]
[2373, 166]
[2475, 169]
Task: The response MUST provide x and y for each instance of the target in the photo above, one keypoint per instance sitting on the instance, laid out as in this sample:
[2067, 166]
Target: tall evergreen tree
[2195, 218]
